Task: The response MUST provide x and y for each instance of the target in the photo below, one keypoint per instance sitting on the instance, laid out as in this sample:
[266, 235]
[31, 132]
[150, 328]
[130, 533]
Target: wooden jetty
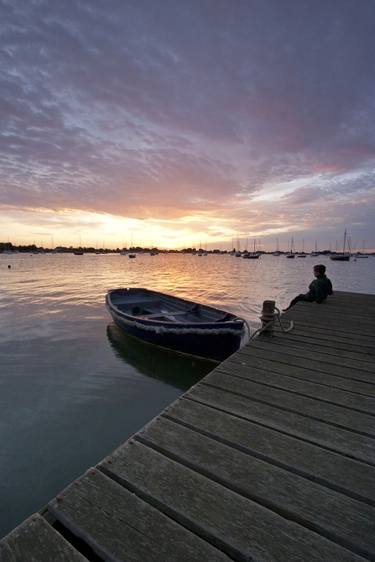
[271, 457]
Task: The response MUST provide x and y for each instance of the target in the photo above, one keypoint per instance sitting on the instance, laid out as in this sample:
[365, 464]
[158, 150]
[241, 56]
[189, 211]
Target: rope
[276, 315]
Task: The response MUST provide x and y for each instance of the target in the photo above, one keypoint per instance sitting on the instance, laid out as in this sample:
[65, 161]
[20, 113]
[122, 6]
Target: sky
[187, 122]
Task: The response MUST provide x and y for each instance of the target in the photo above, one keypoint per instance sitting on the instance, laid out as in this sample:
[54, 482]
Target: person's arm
[329, 288]
[320, 292]
[311, 295]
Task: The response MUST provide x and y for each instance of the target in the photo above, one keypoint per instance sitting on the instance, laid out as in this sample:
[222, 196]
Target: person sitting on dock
[319, 288]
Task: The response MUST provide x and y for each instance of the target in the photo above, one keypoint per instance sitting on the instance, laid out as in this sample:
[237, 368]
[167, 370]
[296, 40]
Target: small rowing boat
[176, 323]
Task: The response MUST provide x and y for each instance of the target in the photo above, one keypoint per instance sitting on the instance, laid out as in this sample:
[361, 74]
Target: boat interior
[167, 309]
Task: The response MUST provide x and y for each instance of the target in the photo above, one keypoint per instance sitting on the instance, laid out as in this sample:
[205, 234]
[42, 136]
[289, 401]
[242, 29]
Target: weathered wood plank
[307, 363]
[335, 344]
[354, 360]
[36, 541]
[365, 404]
[340, 305]
[238, 525]
[326, 467]
[337, 439]
[355, 297]
[314, 311]
[348, 521]
[119, 526]
[360, 310]
[321, 331]
[311, 407]
[271, 365]
[301, 317]
[265, 365]
[329, 309]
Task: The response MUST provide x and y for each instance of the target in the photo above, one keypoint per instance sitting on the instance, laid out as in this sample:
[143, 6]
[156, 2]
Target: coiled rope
[271, 319]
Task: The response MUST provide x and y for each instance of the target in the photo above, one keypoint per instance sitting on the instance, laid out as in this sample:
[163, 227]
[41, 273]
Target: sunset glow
[178, 124]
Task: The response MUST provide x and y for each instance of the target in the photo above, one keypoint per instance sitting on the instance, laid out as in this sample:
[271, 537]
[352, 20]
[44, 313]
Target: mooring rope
[275, 315]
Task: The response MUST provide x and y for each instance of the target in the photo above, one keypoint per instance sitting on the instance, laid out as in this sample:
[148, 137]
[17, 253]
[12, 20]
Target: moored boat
[251, 256]
[254, 255]
[291, 254]
[342, 256]
[176, 323]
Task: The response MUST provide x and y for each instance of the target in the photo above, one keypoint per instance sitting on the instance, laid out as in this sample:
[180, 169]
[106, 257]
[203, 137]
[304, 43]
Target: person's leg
[296, 299]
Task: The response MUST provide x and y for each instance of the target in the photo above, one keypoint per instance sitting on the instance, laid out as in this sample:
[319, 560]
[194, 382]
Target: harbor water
[72, 387]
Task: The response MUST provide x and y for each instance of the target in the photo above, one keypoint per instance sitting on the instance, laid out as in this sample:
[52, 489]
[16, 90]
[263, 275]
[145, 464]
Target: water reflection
[176, 369]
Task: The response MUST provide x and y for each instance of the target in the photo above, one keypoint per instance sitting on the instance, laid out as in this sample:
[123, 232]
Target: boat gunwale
[235, 322]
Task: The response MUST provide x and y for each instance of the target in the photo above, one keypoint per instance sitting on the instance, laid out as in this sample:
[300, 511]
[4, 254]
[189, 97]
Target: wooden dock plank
[306, 360]
[278, 344]
[313, 332]
[347, 522]
[365, 404]
[325, 322]
[239, 526]
[36, 541]
[119, 526]
[331, 469]
[331, 345]
[300, 373]
[257, 356]
[337, 439]
[350, 297]
[311, 407]
[343, 306]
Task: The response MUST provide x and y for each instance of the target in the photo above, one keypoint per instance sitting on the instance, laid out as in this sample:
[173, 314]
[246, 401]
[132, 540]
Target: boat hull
[210, 340]
[340, 258]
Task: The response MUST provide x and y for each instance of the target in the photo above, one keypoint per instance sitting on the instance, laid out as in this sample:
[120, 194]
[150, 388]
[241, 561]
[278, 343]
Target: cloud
[161, 110]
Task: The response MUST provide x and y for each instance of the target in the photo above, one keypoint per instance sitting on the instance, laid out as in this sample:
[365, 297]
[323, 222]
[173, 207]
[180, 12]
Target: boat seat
[163, 314]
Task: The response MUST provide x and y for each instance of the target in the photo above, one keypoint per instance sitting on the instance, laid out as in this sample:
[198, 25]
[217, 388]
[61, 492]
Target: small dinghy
[176, 323]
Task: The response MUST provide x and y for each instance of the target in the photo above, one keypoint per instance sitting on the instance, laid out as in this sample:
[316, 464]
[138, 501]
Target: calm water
[72, 387]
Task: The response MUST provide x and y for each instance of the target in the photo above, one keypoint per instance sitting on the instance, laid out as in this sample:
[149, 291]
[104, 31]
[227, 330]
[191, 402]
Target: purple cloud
[164, 109]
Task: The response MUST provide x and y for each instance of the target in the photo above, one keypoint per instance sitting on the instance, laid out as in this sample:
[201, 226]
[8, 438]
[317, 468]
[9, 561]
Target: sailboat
[291, 254]
[254, 255]
[343, 256]
[315, 253]
[303, 253]
[238, 253]
[363, 253]
[277, 252]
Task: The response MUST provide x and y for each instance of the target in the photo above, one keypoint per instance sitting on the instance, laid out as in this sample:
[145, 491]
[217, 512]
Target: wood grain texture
[327, 467]
[36, 541]
[119, 526]
[343, 417]
[319, 391]
[239, 526]
[344, 520]
[334, 438]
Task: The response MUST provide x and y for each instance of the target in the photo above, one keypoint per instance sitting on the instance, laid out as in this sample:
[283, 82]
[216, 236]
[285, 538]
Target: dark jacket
[319, 289]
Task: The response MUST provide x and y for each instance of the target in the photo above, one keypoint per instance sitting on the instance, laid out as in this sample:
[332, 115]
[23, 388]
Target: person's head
[319, 270]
